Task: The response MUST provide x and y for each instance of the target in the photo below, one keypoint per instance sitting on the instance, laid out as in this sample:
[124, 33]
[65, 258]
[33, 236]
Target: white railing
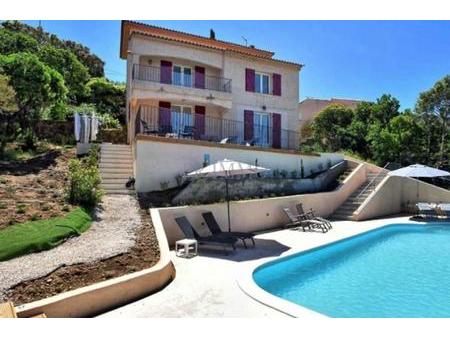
[383, 171]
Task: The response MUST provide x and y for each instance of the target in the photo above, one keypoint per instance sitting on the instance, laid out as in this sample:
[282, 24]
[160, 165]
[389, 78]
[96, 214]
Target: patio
[209, 284]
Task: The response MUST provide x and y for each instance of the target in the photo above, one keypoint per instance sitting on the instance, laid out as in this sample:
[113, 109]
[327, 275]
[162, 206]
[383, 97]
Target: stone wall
[116, 136]
[209, 190]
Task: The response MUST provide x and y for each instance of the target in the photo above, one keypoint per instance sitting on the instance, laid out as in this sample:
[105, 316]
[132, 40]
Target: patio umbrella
[419, 170]
[226, 169]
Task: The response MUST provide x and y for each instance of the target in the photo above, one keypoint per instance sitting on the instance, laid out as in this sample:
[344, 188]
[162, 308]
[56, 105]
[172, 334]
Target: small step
[119, 171]
[115, 165]
[116, 161]
[119, 181]
[120, 192]
[112, 186]
[115, 176]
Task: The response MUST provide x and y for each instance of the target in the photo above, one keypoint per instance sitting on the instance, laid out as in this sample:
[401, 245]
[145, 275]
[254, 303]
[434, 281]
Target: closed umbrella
[419, 170]
[226, 169]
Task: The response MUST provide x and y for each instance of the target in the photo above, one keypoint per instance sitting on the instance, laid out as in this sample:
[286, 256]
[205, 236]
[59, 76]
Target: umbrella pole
[228, 205]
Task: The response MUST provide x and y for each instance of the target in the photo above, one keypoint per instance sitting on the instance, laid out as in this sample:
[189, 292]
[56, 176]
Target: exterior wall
[260, 214]
[395, 192]
[216, 63]
[161, 160]
[308, 109]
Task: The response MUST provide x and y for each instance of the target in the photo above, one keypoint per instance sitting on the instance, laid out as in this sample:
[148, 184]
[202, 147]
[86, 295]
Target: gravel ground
[112, 233]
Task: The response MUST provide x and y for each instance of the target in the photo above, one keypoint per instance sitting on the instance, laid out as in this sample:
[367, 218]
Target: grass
[35, 236]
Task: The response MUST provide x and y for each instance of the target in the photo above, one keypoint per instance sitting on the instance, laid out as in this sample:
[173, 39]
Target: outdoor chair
[426, 210]
[188, 132]
[190, 233]
[164, 129]
[215, 229]
[444, 210]
[147, 129]
[301, 221]
[310, 215]
[295, 222]
[231, 139]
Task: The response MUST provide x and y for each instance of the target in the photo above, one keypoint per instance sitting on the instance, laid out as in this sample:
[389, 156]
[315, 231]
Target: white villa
[194, 99]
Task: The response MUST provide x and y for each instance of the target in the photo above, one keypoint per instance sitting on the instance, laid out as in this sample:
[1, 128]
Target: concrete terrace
[208, 285]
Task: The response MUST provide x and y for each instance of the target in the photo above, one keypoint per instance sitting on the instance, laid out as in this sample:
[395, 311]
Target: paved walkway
[112, 233]
[206, 285]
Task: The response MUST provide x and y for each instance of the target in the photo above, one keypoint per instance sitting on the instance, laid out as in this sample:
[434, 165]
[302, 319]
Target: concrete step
[115, 180]
[113, 170]
[116, 165]
[117, 161]
[112, 186]
[115, 175]
[119, 192]
[120, 155]
[115, 146]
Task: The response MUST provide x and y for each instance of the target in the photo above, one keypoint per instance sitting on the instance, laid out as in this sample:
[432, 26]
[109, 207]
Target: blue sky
[350, 59]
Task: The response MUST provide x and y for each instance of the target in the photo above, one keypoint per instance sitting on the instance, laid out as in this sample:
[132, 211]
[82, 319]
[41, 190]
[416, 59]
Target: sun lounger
[426, 210]
[444, 209]
[310, 215]
[215, 229]
[296, 221]
[190, 233]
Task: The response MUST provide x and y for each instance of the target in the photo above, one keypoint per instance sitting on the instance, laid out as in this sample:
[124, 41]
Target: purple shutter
[199, 121]
[164, 117]
[166, 72]
[199, 77]
[249, 80]
[276, 79]
[248, 125]
[276, 130]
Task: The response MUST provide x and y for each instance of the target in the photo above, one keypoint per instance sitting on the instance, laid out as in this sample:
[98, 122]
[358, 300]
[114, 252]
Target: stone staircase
[346, 210]
[116, 167]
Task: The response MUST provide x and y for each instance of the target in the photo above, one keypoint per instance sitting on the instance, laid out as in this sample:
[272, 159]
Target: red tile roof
[131, 27]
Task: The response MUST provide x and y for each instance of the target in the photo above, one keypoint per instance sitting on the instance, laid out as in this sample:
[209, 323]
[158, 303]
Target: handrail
[154, 74]
[373, 179]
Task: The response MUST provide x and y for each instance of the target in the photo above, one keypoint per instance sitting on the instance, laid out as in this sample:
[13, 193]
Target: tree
[108, 97]
[330, 127]
[436, 102]
[93, 63]
[15, 42]
[401, 141]
[385, 108]
[8, 107]
[37, 87]
[75, 74]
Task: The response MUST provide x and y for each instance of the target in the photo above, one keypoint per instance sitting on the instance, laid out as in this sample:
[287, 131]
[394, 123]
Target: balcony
[205, 82]
[162, 122]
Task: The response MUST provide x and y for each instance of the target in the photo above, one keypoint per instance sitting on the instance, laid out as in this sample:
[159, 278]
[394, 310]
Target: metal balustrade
[163, 122]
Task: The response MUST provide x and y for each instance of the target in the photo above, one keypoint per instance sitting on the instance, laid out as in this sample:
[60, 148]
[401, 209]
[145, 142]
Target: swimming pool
[399, 270]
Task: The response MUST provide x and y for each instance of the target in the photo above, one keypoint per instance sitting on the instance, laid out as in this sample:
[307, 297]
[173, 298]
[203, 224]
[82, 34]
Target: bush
[84, 180]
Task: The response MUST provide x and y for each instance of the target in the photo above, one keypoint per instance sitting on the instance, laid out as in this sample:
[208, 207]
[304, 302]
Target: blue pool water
[401, 270]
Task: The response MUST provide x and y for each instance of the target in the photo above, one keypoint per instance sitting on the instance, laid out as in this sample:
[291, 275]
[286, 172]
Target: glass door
[182, 76]
[261, 127]
[181, 118]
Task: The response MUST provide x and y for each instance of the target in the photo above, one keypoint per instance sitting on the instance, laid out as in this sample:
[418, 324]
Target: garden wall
[209, 190]
[260, 214]
[159, 160]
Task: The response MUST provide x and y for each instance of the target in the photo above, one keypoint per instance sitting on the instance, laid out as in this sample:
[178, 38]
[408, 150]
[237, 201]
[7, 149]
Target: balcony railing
[153, 74]
[163, 122]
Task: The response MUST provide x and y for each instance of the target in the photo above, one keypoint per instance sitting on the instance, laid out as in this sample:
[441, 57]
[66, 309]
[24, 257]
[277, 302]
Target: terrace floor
[207, 285]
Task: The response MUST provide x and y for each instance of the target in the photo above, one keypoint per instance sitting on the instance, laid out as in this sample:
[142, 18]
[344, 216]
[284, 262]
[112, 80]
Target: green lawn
[35, 236]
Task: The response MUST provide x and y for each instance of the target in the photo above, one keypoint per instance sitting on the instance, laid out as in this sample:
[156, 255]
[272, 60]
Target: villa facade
[192, 96]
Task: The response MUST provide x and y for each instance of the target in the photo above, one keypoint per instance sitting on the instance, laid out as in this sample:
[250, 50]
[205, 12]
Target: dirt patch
[34, 189]
[143, 255]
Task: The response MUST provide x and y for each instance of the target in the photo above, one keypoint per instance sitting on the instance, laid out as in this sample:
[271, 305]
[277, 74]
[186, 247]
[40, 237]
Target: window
[181, 117]
[182, 76]
[262, 83]
[261, 127]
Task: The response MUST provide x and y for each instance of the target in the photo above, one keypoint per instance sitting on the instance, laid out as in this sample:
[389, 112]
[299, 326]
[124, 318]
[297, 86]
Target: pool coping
[248, 285]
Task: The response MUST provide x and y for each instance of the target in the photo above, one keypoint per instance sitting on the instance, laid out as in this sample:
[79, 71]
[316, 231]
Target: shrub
[84, 180]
